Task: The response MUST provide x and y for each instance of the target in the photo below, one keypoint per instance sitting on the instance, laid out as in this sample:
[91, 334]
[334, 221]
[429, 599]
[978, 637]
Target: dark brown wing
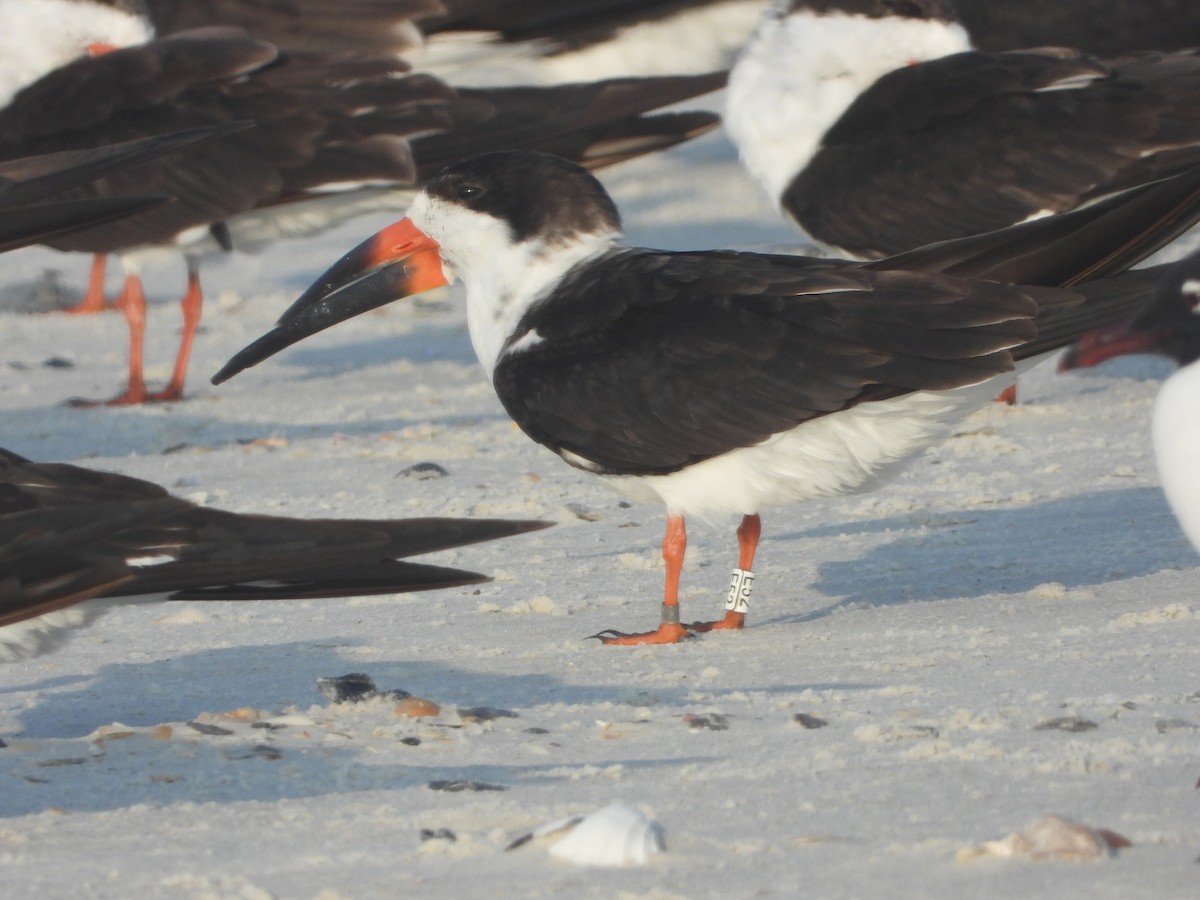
[595, 124]
[976, 141]
[69, 533]
[647, 362]
[304, 110]
[321, 26]
[1106, 27]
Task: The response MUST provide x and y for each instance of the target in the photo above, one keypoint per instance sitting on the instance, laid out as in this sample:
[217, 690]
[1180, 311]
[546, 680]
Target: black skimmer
[876, 127]
[70, 534]
[1168, 325]
[718, 382]
[325, 127]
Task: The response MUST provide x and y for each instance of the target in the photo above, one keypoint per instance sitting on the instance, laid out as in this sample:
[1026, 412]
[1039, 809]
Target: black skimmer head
[719, 382]
[1169, 325]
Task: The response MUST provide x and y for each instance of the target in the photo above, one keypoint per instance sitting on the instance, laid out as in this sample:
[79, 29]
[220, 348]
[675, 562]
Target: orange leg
[670, 631]
[735, 617]
[93, 298]
[192, 300]
[1008, 396]
[135, 316]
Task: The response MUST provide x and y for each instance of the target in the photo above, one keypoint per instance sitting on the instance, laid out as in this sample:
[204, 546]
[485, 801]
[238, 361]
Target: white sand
[1027, 570]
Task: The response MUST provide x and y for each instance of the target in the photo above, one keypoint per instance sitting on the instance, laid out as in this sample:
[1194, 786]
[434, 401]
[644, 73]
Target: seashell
[616, 835]
[1051, 837]
[416, 706]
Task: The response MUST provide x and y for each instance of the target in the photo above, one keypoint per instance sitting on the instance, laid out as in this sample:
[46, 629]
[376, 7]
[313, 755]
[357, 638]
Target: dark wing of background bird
[644, 338]
[68, 533]
[891, 174]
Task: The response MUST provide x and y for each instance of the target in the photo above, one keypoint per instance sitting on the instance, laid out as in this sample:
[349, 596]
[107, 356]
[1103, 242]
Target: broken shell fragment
[616, 835]
[1052, 837]
[416, 706]
[354, 688]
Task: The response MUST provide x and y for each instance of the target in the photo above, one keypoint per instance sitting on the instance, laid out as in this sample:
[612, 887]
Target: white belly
[849, 451]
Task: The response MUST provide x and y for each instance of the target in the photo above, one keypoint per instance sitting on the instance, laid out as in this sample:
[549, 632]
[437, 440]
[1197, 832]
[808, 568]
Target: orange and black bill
[397, 262]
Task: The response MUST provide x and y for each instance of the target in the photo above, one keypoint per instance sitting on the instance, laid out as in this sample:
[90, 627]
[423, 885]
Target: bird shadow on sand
[49, 764]
[1077, 542]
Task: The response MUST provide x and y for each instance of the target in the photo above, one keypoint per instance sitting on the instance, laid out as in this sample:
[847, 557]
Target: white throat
[503, 278]
[39, 36]
[800, 72]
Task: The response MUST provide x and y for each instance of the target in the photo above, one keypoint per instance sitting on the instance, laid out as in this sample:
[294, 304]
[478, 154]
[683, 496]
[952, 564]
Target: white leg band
[739, 591]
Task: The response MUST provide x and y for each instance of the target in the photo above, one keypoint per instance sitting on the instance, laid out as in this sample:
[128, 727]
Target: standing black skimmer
[718, 382]
[877, 129]
[329, 131]
[1169, 325]
[70, 534]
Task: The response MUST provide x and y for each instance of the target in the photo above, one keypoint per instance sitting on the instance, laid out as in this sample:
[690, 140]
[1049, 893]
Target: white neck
[39, 36]
[800, 72]
[502, 287]
[503, 278]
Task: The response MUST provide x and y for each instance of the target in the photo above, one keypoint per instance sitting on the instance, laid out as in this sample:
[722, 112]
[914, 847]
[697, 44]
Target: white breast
[845, 452]
[1176, 433]
[38, 36]
[799, 73]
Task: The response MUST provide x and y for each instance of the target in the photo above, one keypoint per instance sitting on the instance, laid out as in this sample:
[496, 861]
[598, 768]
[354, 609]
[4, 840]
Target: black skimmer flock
[329, 130]
[1169, 325]
[70, 534]
[720, 383]
[877, 128]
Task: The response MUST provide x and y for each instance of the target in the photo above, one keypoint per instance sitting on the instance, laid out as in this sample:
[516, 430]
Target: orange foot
[131, 397]
[1008, 396]
[666, 634]
[169, 394]
[732, 621]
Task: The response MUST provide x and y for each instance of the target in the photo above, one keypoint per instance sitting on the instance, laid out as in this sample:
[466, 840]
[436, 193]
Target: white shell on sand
[1052, 837]
[616, 835]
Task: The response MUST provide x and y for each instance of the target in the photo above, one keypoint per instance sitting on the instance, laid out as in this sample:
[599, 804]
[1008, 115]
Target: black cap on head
[537, 194]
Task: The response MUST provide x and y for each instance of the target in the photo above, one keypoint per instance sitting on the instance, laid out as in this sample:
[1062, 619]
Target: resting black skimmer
[1168, 325]
[329, 132]
[70, 534]
[876, 127]
[718, 382]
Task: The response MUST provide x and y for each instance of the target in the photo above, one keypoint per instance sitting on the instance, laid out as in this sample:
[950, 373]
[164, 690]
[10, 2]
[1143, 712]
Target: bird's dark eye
[468, 191]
